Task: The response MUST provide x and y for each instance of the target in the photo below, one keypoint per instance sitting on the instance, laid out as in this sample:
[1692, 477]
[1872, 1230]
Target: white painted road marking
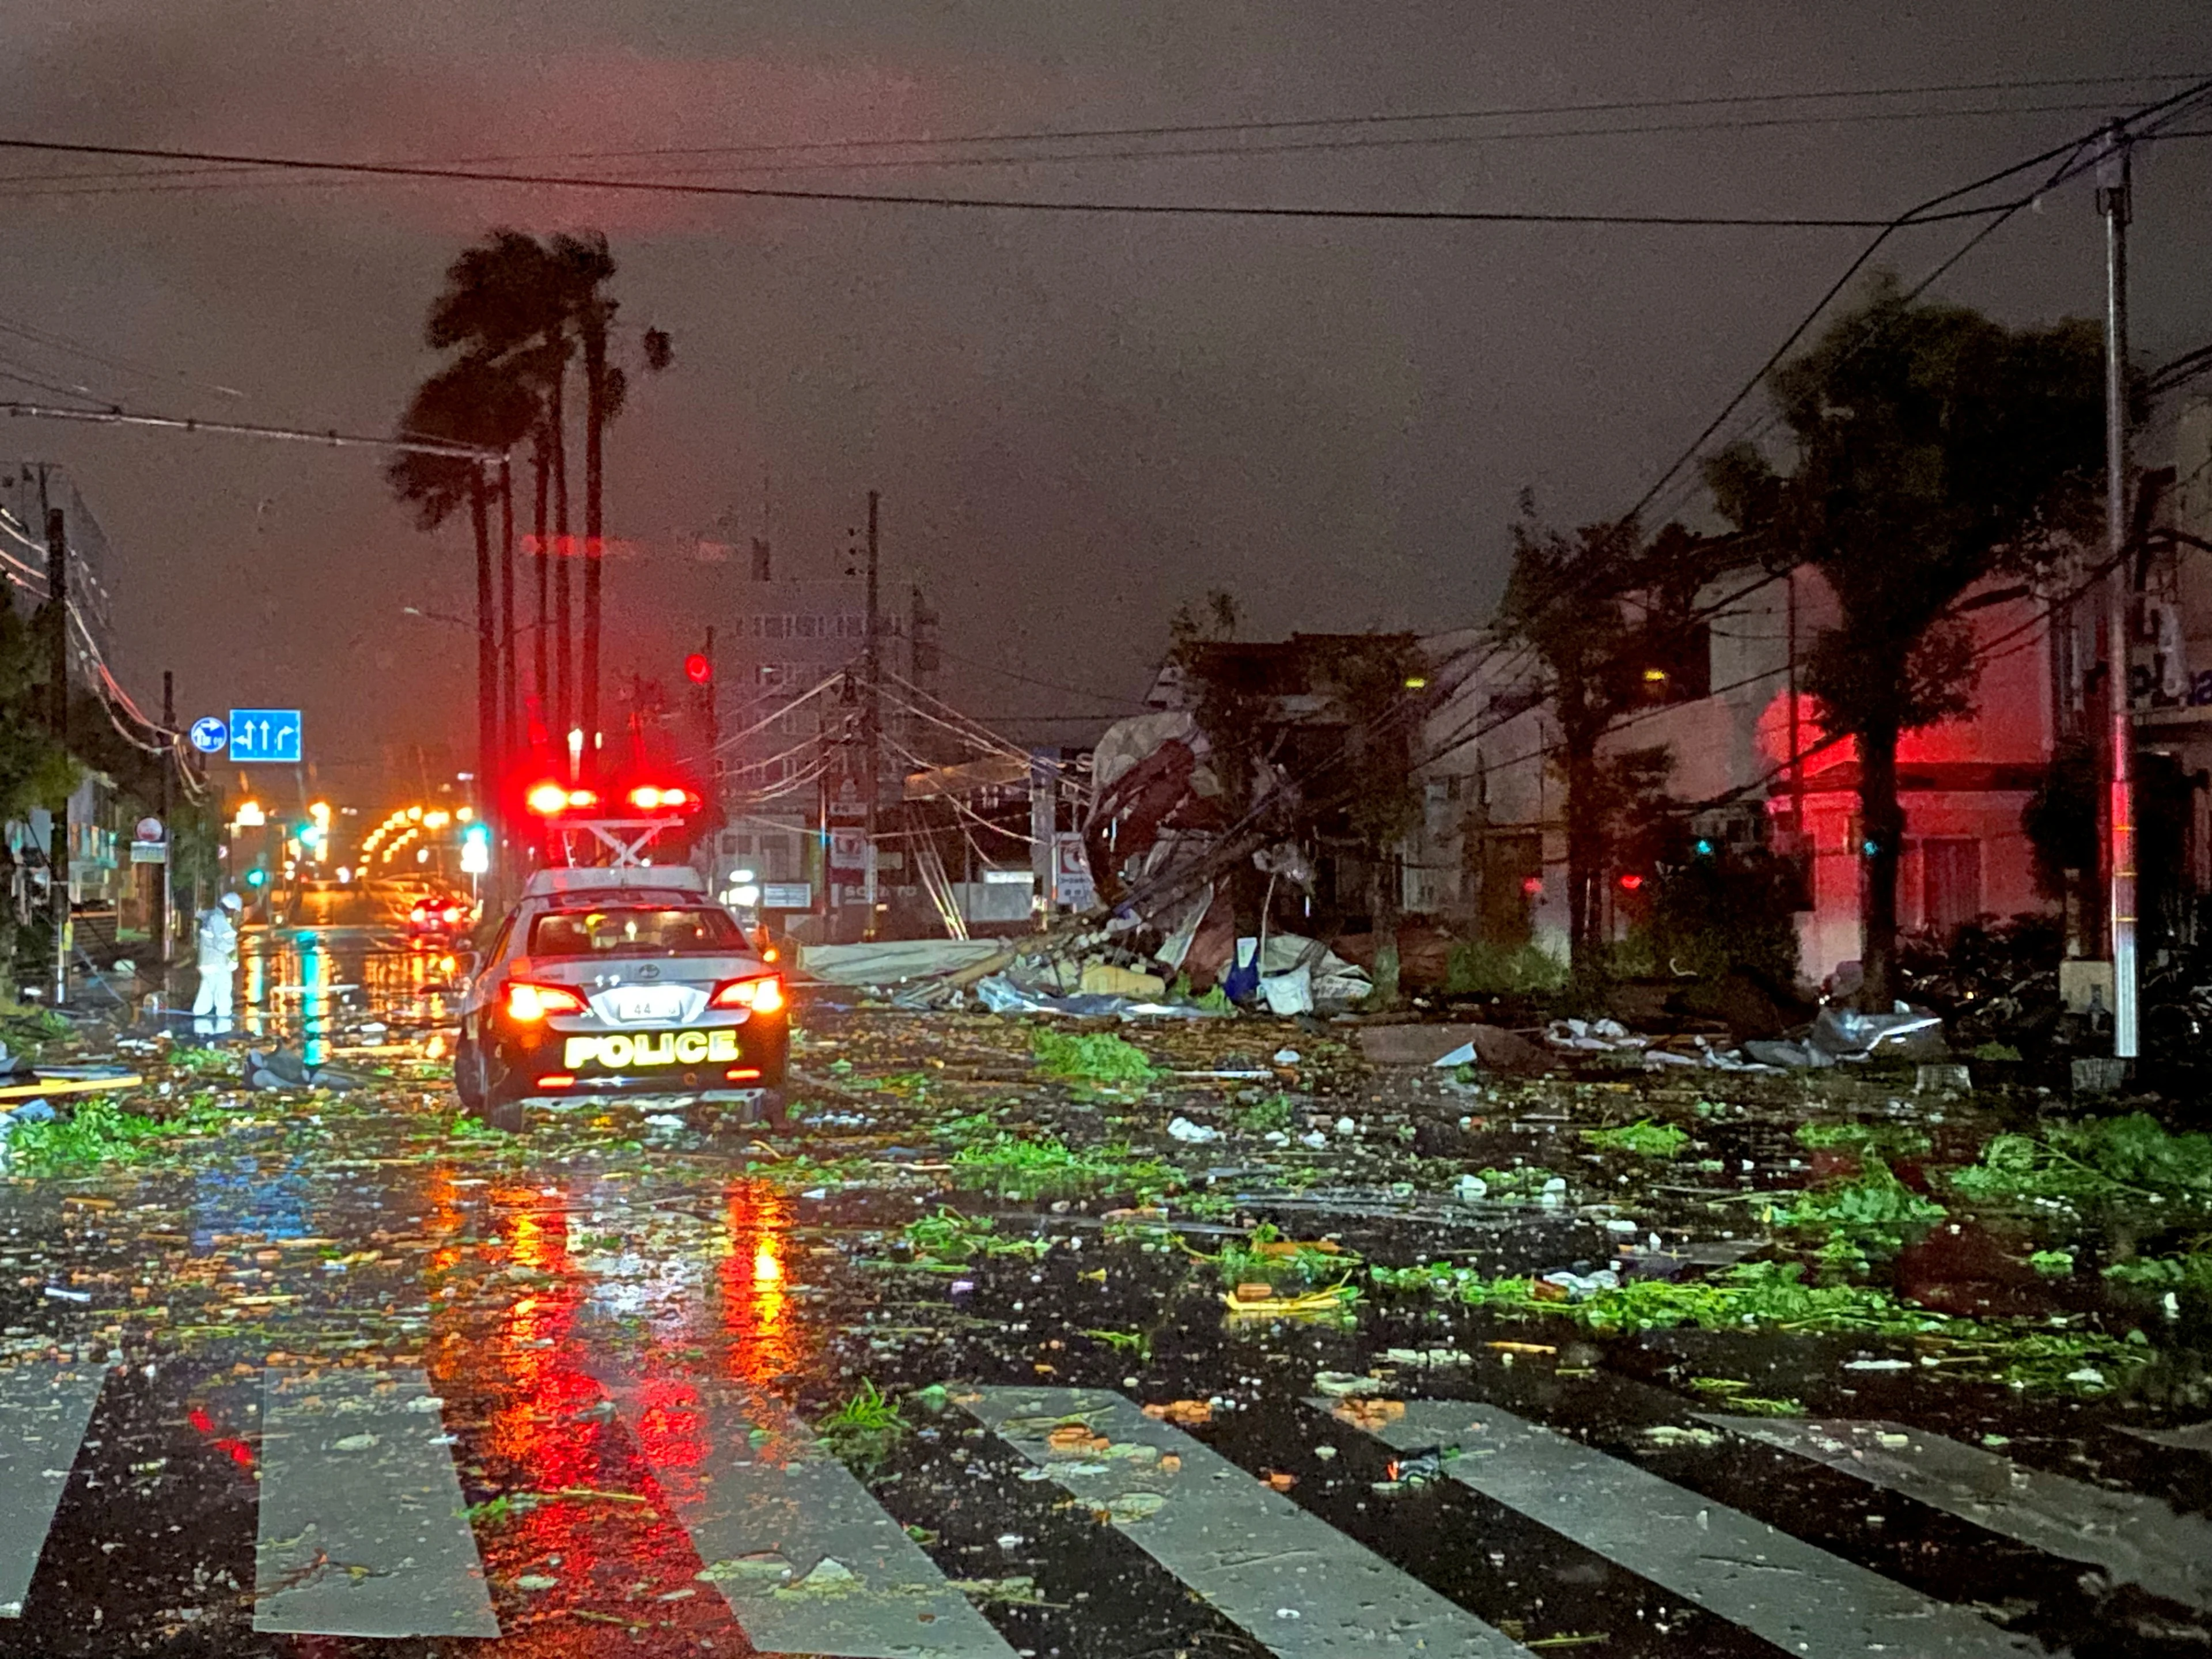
[807, 1560]
[362, 1529]
[2137, 1539]
[1803, 1600]
[1303, 1588]
[43, 1411]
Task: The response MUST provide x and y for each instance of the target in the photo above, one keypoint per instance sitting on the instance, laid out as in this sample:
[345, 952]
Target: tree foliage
[1593, 608]
[34, 770]
[1934, 449]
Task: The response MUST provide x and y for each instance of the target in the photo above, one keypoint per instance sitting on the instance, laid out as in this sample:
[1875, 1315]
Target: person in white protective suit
[218, 962]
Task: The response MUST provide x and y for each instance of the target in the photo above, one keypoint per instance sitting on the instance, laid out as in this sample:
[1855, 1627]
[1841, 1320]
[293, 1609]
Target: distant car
[616, 981]
[441, 915]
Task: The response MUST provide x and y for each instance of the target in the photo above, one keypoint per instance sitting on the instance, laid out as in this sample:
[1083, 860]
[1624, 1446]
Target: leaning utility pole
[873, 746]
[2112, 201]
[57, 855]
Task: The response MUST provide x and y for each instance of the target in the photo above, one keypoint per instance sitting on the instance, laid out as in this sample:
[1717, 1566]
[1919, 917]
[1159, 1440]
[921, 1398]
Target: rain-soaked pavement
[980, 1360]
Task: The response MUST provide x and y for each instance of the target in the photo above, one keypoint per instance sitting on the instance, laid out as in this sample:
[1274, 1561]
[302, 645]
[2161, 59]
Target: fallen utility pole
[2112, 201]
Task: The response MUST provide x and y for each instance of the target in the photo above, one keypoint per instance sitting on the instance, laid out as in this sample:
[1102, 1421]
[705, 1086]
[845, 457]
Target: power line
[886, 198]
[334, 439]
[2169, 107]
[62, 343]
[164, 180]
[1294, 124]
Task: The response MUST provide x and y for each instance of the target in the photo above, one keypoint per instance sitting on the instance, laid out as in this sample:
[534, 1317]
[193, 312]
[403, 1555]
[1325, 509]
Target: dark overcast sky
[1077, 422]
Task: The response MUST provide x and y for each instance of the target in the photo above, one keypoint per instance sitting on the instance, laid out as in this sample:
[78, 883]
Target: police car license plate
[643, 1002]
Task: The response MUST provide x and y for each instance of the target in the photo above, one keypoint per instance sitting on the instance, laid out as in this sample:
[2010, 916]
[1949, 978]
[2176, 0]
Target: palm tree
[474, 400]
[502, 311]
[587, 267]
[519, 310]
[498, 312]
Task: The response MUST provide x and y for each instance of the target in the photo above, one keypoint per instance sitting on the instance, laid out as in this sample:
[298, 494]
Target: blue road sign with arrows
[264, 734]
[209, 734]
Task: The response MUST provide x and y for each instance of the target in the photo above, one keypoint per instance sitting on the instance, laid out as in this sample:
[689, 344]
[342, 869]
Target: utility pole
[58, 857]
[510, 714]
[168, 829]
[1044, 824]
[488, 643]
[873, 717]
[2112, 201]
[709, 697]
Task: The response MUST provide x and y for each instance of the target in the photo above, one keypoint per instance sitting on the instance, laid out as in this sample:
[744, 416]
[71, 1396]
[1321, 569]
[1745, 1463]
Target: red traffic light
[698, 669]
[1630, 881]
[650, 798]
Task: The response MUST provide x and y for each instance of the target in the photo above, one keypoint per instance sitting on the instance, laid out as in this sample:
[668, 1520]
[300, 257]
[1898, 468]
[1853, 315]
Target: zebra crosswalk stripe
[44, 1409]
[362, 1529]
[807, 1560]
[1802, 1600]
[2136, 1540]
[1303, 1588]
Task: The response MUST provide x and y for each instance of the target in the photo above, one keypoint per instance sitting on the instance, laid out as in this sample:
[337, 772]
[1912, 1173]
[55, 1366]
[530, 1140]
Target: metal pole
[510, 721]
[873, 758]
[57, 855]
[2112, 201]
[1044, 820]
[487, 766]
[168, 829]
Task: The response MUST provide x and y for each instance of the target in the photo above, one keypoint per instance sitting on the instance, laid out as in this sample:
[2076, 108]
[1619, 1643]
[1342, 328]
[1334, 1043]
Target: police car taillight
[763, 993]
[529, 1003]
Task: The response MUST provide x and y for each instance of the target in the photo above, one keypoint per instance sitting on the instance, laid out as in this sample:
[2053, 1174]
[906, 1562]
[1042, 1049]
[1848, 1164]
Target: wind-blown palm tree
[587, 267]
[519, 311]
[500, 311]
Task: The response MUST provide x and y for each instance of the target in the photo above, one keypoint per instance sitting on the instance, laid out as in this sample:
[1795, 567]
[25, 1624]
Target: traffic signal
[699, 669]
[257, 878]
[1630, 881]
[476, 849]
[1705, 847]
[653, 798]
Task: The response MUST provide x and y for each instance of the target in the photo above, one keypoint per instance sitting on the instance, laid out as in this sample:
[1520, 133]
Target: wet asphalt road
[623, 1335]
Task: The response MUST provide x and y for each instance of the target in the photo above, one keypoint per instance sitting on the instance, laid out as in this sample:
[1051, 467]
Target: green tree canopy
[1934, 449]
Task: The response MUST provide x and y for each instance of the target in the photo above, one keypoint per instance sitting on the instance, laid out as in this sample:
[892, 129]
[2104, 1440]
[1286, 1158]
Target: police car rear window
[635, 931]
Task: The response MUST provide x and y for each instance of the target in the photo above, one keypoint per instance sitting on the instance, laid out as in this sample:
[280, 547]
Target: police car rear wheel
[468, 1074]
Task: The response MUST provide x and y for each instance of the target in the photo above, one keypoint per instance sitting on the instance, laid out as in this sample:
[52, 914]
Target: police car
[622, 981]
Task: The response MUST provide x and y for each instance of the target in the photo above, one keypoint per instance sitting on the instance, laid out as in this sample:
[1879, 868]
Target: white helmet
[232, 902]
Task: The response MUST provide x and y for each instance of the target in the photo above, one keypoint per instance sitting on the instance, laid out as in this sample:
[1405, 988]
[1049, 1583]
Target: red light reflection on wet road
[754, 1288]
[587, 1514]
